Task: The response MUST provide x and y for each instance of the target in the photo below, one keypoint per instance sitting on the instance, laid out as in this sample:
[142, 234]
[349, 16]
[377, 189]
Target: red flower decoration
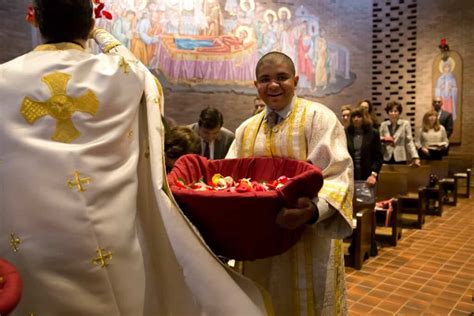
[99, 11]
[442, 42]
[30, 15]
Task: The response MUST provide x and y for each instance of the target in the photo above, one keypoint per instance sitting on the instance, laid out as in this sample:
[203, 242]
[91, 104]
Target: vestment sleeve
[327, 149]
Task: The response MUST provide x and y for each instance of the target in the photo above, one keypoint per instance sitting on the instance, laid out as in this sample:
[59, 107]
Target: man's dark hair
[63, 20]
[210, 118]
[394, 105]
[275, 57]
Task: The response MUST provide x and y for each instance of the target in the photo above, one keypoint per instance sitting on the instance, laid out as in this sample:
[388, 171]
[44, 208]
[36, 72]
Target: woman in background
[432, 141]
[346, 115]
[366, 104]
[181, 140]
[397, 138]
[364, 146]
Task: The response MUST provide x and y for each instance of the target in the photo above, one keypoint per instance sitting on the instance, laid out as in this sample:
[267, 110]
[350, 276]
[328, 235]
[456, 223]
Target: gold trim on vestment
[58, 46]
[337, 277]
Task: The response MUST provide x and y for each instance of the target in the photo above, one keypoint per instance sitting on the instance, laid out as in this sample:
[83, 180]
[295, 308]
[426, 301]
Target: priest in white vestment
[308, 279]
[85, 211]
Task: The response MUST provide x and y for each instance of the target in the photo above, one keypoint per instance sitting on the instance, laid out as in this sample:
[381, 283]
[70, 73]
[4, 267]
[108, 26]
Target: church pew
[460, 169]
[447, 186]
[414, 201]
[390, 185]
[362, 238]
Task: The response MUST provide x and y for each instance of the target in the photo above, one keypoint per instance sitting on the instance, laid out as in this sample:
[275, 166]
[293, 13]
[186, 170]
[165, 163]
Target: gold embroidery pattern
[102, 257]
[60, 106]
[338, 196]
[14, 242]
[250, 135]
[123, 64]
[78, 182]
[130, 133]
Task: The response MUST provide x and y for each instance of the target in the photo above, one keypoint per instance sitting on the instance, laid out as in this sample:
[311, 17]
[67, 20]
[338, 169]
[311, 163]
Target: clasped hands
[305, 212]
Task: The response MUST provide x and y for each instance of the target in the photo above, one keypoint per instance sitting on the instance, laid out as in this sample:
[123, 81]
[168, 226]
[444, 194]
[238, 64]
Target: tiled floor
[430, 272]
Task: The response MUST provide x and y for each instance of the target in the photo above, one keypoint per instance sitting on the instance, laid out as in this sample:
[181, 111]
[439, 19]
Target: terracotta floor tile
[397, 299]
[465, 307]
[361, 308]
[409, 311]
[379, 294]
[370, 300]
[380, 312]
[446, 302]
[430, 272]
[456, 312]
[418, 280]
[418, 304]
[386, 287]
[451, 296]
[439, 310]
[407, 293]
[454, 288]
[389, 306]
[351, 295]
[425, 297]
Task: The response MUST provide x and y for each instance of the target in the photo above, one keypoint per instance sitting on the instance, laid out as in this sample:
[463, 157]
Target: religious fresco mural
[447, 85]
[212, 45]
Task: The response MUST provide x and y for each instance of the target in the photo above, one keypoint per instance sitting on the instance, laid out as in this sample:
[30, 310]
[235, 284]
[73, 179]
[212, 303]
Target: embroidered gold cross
[102, 257]
[60, 106]
[14, 242]
[130, 133]
[78, 182]
[123, 64]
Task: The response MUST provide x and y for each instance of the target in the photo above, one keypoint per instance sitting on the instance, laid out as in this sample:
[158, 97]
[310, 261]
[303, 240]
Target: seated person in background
[215, 139]
[366, 104]
[258, 105]
[432, 141]
[396, 137]
[346, 115]
[364, 146]
[181, 140]
[445, 118]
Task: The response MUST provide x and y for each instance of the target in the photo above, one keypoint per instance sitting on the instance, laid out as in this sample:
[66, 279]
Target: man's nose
[273, 84]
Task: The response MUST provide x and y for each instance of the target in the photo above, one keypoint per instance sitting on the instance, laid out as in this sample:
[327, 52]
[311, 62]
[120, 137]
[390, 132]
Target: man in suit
[445, 118]
[215, 139]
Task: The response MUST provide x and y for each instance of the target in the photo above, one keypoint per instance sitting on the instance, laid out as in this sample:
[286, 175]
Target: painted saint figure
[446, 87]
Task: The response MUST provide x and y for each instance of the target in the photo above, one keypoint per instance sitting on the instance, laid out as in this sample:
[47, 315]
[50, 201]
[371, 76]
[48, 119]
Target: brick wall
[453, 20]
[15, 33]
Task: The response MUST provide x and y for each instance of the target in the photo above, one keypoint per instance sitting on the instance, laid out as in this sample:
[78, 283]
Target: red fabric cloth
[242, 226]
[10, 287]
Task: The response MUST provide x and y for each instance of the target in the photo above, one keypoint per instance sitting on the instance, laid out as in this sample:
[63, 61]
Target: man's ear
[255, 84]
[296, 80]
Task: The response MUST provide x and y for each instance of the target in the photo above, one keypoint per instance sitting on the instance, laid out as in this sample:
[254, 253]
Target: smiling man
[308, 278]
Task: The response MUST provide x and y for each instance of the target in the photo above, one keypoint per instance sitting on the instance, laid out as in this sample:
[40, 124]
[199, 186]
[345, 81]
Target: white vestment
[308, 279]
[85, 210]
